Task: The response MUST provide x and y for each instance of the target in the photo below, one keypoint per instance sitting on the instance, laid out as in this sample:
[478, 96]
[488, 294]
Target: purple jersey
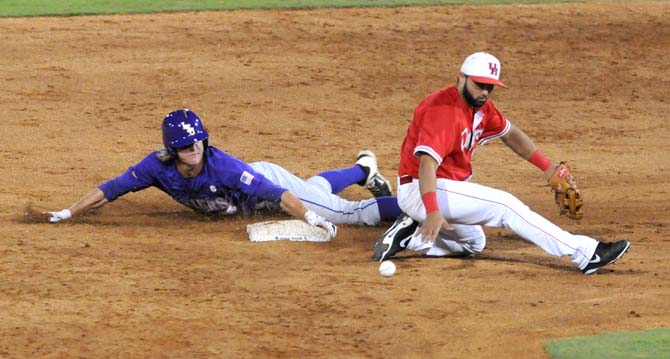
[224, 185]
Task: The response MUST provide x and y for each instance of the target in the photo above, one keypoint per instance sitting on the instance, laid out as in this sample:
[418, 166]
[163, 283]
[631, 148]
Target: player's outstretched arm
[522, 145]
[519, 142]
[93, 199]
[292, 205]
[562, 182]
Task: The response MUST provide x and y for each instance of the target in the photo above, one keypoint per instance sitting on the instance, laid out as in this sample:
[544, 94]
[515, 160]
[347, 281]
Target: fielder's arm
[428, 186]
[519, 142]
[562, 182]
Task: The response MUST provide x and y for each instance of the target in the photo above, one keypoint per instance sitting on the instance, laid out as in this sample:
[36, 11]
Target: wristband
[430, 202]
[539, 160]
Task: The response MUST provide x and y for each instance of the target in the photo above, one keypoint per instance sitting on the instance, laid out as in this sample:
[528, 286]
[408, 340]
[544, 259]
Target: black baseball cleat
[395, 239]
[374, 181]
[606, 253]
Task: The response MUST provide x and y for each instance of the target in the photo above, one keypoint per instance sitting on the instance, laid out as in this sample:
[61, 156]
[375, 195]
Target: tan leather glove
[566, 194]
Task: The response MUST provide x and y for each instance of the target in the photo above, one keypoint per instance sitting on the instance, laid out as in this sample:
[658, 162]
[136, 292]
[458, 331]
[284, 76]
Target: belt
[405, 179]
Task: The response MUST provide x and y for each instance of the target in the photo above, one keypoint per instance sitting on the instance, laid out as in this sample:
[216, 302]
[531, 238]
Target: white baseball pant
[468, 206]
[316, 194]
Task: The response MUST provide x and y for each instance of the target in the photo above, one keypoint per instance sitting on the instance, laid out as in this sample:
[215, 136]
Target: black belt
[405, 180]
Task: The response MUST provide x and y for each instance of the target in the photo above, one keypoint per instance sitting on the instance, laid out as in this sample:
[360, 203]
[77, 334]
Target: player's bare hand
[432, 225]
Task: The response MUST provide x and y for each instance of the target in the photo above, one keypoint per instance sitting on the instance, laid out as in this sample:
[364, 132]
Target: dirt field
[83, 98]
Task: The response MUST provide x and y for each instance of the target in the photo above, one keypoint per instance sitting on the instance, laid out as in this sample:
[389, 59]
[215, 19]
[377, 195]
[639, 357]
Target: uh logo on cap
[494, 68]
[483, 67]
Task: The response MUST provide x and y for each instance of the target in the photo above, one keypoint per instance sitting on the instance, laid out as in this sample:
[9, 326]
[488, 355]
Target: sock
[388, 208]
[344, 177]
[366, 171]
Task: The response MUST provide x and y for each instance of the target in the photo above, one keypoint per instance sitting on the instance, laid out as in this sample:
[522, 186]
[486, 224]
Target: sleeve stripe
[430, 152]
[483, 140]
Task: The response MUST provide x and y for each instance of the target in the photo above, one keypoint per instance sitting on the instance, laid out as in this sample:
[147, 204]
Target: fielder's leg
[463, 241]
[470, 203]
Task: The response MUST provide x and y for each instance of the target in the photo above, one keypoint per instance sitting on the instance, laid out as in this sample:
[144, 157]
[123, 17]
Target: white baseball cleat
[374, 181]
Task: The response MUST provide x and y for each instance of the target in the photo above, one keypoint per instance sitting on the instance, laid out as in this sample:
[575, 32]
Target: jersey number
[468, 139]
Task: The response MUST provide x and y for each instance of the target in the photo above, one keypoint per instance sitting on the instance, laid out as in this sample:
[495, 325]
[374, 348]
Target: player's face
[476, 94]
[191, 155]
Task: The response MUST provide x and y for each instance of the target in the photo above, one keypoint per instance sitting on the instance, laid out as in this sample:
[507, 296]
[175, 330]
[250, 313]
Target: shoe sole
[374, 168]
[610, 262]
[390, 235]
[387, 182]
[387, 247]
[367, 153]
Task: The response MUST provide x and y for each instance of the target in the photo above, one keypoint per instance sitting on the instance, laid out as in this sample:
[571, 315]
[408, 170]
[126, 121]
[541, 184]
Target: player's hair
[164, 156]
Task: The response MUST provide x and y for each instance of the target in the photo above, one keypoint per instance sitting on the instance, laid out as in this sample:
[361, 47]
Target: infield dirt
[83, 98]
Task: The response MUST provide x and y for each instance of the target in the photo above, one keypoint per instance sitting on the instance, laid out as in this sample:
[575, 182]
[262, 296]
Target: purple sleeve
[253, 183]
[238, 174]
[136, 178]
[267, 190]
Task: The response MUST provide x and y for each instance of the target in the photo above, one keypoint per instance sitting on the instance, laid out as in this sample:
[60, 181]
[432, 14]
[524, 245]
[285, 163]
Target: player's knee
[473, 249]
[475, 246]
[321, 183]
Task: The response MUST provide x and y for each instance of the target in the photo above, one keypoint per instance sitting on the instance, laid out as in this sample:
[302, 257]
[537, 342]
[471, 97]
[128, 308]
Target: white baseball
[387, 268]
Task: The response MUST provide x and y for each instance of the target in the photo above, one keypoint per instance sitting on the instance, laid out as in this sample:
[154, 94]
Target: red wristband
[430, 202]
[539, 160]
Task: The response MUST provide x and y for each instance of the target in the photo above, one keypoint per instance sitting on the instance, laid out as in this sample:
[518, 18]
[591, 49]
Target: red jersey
[447, 129]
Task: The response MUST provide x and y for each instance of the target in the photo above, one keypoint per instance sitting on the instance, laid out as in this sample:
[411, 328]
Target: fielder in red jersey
[429, 134]
[443, 210]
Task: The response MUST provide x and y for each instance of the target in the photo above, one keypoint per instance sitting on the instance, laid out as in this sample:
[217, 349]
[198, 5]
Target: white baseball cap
[484, 68]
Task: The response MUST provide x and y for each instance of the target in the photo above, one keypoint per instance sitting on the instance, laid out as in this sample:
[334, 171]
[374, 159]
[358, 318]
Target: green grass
[649, 344]
[16, 8]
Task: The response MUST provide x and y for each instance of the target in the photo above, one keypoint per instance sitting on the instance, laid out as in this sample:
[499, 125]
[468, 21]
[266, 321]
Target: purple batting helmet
[182, 128]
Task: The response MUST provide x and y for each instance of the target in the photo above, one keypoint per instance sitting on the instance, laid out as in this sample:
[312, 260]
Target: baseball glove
[567, 196]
